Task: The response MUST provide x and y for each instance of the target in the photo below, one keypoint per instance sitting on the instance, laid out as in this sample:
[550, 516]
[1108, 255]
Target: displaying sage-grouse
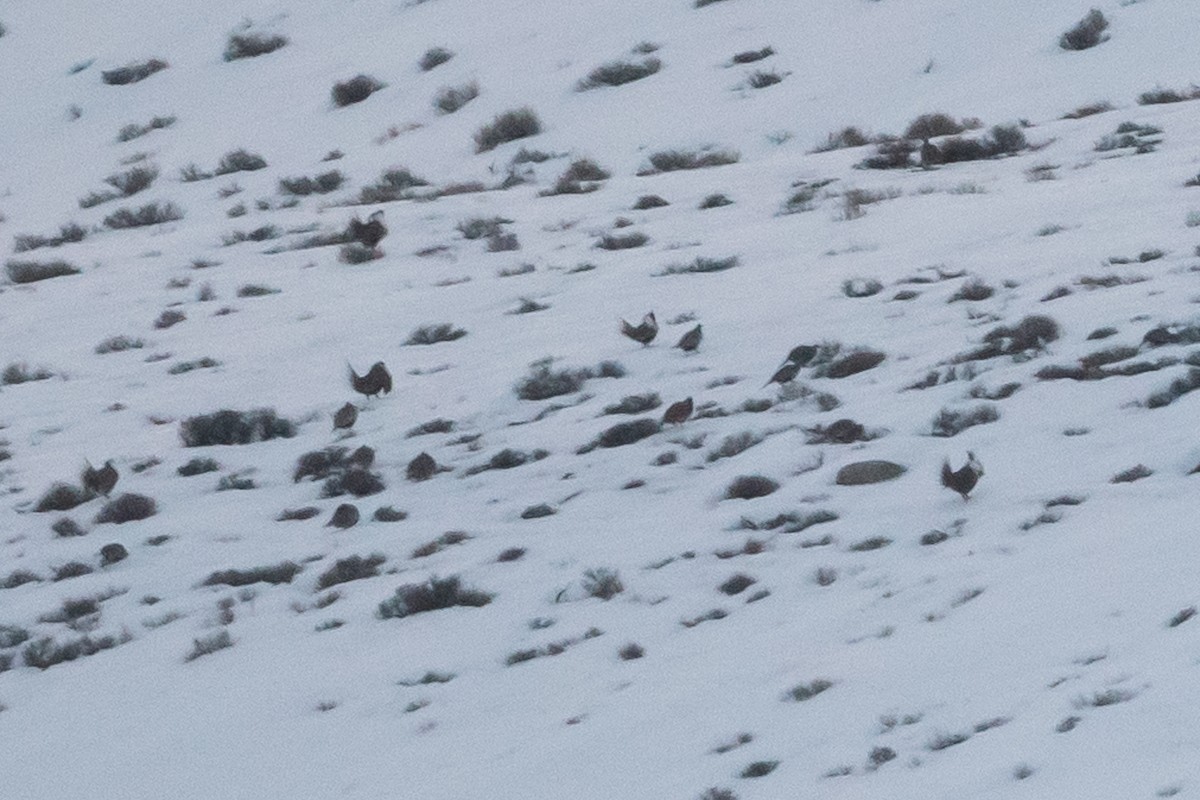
[345, 417]
[370, 233]
[643, 333]
[963, 480]
[690, 340]
[100, 481]
[802, 354]
[678, 413]
[377, 380]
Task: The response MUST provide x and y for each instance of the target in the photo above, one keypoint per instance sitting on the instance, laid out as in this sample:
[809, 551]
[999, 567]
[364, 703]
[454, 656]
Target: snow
[1008, 619]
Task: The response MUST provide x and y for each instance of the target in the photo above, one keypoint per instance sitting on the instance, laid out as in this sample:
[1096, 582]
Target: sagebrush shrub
[355, 90]
[617, 73]
[153, 213]
[452, 98]
[62, 497]
[675, 160]
[433, 57]
[929, 126]
[303, 186]
[507, 127]
[395, 183]
[235, 427]
[434, 594]
[251, 45]
[433, 334]
[132, 73]
[274, 574]
[349, 569]
[127, 507]
[240, 161]
[33, 271]
[748, 487]
[1087, 33]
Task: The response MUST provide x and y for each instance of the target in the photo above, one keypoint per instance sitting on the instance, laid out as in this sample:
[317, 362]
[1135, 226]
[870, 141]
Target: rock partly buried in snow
[861, 473]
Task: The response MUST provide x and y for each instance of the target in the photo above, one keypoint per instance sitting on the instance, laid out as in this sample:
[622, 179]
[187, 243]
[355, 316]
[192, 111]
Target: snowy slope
[1028, 653]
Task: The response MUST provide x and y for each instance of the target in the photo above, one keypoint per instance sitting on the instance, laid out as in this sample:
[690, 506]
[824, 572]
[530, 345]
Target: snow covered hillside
[509, 576]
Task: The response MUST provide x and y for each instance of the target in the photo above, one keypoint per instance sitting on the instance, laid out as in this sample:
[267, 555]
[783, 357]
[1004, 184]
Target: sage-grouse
[377, 380]
[344, 516]
[678, 413]
[345, 417]
[963, 480]
[100, 481]
[643, 333]
[690, 340]
[370, 233]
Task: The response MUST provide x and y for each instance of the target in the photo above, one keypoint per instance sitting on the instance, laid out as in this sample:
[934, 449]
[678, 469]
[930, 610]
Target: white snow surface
[1040, 632]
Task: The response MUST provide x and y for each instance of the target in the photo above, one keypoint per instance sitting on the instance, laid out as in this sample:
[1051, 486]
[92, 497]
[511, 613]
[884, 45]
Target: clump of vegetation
[452, 98]
[207, 645]
[1140, 138]
[849, 364]
[1177, 389]
[17, 373]
[543, 382]
[627, 241]
[973, 290]
[434, 594]
[1134, 473]
[127, 507]
[1160, 95]
[235, 427]
[198, 466]
[46, 652]
[951, 423]
[355, 90]
[1087, 33]
[354, 568]
[240, 161]
[324, 183]
[118, 344]
[634, 404]
[623, 433]
[507, 127]
[648, 201]
[434, 57]
[849, 136]
[132, 73]
[602, 583]
[508, 458]
[1022, 340]
[751, 56]
[807, 691]
[62, 497]
[252, 45]
[433, 334]
[68, 233]
[273, 574]
[701, 264]
[617, 73]
[675, 160]
[150, 214]
[134, 131]
[749, 487]
[395, 183]
[33, 271]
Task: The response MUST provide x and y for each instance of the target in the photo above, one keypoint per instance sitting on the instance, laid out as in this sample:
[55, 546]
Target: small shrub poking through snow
[128, 507]
[507, 127]
[349, 569]
[749, 487]
[1087, 33]
[452, 98]
[602, 583]
[240, 161]
[807, 691]
[139, 71]
[1135, 473]
[274, 574]
[207, 645]
[33, 271]
[150, 214]
[617, 73]
[951, 423]
[252, 45]
[675, 160]
[434, 57]
[355, 90]
[433, 334]
[434, 594]
[235, 427]
[62, 497]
